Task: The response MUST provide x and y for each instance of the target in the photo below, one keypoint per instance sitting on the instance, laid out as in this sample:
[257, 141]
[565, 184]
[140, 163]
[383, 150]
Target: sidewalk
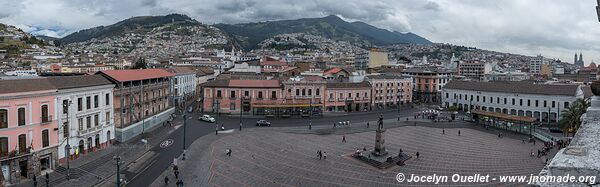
[325, 114]
[97, 167]
[200, 154]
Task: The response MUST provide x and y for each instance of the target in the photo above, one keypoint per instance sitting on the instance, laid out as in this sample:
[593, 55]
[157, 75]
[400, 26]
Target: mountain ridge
[249, 35]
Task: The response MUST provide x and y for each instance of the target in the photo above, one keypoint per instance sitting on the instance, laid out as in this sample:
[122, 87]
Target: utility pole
[118, 159]
[184, 128]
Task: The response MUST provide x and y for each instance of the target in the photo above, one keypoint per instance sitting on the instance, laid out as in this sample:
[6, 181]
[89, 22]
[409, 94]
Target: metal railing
[46, 119]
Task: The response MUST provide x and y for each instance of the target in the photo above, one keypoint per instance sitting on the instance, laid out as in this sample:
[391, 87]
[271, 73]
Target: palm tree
[571, 116]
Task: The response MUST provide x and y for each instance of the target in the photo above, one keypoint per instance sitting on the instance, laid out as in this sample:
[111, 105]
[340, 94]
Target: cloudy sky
[553, 28]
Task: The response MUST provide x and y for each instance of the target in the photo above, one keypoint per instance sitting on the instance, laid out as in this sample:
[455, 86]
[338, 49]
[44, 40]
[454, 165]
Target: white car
[207, 118]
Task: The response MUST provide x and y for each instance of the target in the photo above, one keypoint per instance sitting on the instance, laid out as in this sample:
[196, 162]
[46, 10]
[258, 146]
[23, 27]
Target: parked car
[263, 122]
[207, 118]
[556, 130]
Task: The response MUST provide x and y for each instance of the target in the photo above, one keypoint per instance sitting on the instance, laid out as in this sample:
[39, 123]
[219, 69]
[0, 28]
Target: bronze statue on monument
[379, 139]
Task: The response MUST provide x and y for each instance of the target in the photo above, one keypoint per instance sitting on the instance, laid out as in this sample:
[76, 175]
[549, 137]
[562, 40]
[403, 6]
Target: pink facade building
[28, 128]
[231, 96]
[348, 97]
[389, 90]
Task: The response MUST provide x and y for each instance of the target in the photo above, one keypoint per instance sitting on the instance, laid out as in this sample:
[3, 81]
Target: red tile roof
[333, 71]
[136, 74]
[254, 83]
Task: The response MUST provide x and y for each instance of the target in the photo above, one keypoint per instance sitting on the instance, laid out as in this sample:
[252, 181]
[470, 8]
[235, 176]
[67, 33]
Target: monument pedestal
[379, 144]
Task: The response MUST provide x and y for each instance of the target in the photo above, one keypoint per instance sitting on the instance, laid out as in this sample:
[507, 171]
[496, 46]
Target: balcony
[246, 97]
[331, 99]
[46, 119]
[89, 130]
[341, 99]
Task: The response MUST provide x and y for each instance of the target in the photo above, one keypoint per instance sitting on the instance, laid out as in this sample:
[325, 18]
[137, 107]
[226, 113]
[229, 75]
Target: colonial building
[304, 92]
[183, 85]
[428, 82]
[233, 96]
[85, 113]
[514, 98]
[389, 90]
[348, 97]
[28, 128]
[141, 100]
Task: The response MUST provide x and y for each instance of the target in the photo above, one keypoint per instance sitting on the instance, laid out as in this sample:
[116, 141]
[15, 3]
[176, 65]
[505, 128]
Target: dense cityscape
[168, 100]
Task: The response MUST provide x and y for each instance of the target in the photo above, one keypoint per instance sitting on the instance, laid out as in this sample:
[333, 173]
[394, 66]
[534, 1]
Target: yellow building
[545, 70]
[377, 58]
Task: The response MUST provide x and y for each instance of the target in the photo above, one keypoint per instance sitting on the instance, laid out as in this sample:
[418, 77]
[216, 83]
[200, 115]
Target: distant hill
[248, 35]
[46, 38]
[15, 40]
[138, 25]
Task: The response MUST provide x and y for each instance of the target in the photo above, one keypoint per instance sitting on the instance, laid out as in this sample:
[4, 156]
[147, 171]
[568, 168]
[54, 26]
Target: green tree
[140, 64]
[571, 116]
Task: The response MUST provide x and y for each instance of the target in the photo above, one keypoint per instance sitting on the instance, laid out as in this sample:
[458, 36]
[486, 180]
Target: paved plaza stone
[279, 157]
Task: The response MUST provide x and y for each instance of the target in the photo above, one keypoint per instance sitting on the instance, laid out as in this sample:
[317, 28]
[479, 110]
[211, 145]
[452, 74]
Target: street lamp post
[310, 114]
[241, 111]
[548, 119]
[398, 105]
[118, 159]
[68, 106]
[184, 130]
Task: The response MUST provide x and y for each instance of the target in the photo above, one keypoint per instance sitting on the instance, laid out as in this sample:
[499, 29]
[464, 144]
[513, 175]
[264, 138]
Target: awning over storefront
[285, 105]
[504, 116]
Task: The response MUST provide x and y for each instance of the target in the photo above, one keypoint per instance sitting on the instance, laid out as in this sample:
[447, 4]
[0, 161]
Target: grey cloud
[432, 6]
[533, 26]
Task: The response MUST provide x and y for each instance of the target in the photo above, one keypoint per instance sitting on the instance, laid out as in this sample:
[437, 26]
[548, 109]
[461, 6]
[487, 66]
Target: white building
[535, 66]
[506, 76]
[183, 86]
[86, 113]
[22, 73]
[514, 98]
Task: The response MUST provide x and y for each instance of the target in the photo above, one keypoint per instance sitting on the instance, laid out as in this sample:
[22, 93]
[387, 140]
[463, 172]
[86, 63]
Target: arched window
[3, 118]
[45, 114]
[22, 143]
[21, 116]
[45, 138]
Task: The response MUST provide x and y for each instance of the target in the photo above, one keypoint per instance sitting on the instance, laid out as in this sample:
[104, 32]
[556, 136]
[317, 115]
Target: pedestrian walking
[324, 155]
[228, 152]
[34, 181]
[343, 138]
[523, 140]
[443, 131]
[47, 179]
[459, 132]
[320, 154]
[166, 180]
[367, 124]
[176, 174]
[418, 154]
